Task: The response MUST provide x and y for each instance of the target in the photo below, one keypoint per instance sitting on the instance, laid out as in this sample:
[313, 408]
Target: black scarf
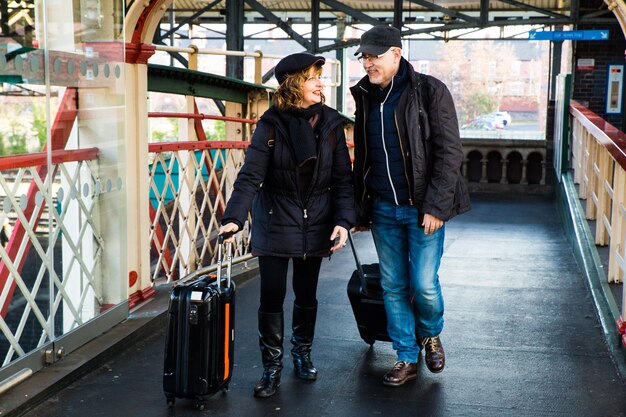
[301, 133]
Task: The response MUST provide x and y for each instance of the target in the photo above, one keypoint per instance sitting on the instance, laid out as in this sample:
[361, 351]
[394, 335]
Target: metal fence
[190, 183]
[51, 248]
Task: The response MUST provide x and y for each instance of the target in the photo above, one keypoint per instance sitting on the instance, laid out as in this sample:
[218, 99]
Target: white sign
[615, 89]
[585, 64]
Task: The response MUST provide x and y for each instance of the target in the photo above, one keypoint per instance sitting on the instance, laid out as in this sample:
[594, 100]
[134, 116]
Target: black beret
[295, 63]
[379, 39]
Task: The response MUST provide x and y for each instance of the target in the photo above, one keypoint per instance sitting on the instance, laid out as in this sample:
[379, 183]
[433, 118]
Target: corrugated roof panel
[378, 5]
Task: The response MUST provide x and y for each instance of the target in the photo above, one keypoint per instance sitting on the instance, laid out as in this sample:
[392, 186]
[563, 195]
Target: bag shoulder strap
[271, 140]
[332, 138]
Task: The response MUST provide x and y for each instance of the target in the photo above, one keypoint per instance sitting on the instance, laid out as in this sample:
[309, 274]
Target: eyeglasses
[372, 58]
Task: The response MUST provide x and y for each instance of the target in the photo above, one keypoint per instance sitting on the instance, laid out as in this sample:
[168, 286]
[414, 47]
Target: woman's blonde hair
[289, 93]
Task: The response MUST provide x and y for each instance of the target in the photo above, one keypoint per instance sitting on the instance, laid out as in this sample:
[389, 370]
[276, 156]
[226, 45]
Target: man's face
[381, 68]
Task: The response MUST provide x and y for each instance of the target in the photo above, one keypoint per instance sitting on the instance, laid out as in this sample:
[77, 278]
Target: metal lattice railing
[190, 183]
[52, 244]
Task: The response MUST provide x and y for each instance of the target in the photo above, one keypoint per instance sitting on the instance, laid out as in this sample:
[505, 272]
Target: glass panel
[495, 98]
[62, 187]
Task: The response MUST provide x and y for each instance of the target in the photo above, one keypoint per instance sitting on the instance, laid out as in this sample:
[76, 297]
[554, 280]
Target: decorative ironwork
[189, 185]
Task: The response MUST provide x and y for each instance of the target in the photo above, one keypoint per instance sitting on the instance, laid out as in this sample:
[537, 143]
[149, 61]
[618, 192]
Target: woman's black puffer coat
[282, 224]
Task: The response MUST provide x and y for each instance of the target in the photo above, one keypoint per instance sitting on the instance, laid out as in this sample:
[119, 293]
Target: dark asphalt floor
[521, 338]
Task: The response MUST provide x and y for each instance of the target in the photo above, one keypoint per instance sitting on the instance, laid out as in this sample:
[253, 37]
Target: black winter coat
[282, 224]
[429, 133]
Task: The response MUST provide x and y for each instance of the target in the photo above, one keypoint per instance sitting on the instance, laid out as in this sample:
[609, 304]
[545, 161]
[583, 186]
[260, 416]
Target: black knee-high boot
[271, 327]
[302, 340]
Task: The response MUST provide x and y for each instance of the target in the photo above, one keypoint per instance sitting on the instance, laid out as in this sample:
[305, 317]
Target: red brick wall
[589, 87]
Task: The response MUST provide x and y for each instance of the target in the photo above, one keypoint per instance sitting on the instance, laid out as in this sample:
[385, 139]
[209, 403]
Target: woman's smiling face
[312, 88]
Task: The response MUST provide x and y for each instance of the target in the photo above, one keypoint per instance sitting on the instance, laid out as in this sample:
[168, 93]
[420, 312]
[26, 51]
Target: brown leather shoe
[435, 356]
[401, 372]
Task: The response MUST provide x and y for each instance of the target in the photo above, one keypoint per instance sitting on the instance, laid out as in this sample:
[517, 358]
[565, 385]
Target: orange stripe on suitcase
[227, 341]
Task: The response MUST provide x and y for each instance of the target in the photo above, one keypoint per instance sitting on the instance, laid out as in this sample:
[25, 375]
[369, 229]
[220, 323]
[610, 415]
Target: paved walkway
[521, 337]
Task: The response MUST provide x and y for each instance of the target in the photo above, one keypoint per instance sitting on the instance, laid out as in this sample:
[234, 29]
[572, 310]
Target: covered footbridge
[123, 127]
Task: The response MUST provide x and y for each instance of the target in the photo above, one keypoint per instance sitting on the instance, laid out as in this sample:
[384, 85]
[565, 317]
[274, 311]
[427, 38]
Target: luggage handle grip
[220, 259]
[221, 238]
[359, 267]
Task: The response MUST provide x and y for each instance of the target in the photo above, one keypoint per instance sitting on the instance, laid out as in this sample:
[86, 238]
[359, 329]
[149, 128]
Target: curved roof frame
[440, 19]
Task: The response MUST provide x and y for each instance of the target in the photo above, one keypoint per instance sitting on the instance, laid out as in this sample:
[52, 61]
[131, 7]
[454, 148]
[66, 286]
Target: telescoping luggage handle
[220, 259]
[359, 267]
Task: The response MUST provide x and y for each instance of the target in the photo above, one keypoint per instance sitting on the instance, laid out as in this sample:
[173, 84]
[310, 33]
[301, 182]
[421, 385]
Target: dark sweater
[386, 177]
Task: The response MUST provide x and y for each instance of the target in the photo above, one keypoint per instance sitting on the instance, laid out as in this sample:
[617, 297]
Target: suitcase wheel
[171, 401]
[370, 341]
[200, 405]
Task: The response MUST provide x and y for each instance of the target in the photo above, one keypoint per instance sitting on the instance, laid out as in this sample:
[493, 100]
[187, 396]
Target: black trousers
[273, 272]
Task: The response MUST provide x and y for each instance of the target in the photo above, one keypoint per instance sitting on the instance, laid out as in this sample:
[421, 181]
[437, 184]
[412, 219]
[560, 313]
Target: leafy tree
[17, 143]
[475, 73]
[16, 139]
[39, 123]
[219, 132]
[158, 136]
[481, 103]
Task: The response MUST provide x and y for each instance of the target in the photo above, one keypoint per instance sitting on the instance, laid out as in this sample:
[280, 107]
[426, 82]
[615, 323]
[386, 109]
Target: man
[408, 182]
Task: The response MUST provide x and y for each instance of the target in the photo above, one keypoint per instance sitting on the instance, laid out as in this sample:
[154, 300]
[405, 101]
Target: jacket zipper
[305, 203]
[382, 124]
[404, 158]
[364, 144]
[306, 216]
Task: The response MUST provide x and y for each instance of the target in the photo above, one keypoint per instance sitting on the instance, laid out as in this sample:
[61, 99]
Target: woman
[297, 178]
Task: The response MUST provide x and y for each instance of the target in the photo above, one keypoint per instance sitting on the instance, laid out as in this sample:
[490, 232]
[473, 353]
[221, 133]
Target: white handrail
[336, 73]
[215, 51]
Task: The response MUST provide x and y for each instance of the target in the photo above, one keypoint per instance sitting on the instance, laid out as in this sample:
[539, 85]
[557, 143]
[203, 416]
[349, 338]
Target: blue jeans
[409, 260]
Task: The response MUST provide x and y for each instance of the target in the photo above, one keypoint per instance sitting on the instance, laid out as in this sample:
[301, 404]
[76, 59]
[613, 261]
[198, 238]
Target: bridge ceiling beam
[449, 12]
[397, 13]
[4, 17]
[484, 12]
[186, 21]
[235, 18]
[354, 13]
[272, 18]
[438, 20]
[525, 6]
[315, 24]
[574, 9]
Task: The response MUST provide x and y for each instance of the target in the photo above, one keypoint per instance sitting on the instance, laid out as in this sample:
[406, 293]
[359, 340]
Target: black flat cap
[294, 63]
[378, 40]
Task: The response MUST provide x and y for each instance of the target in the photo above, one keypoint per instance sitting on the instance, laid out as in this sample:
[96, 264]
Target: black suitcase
[200, 335]
[366, 299]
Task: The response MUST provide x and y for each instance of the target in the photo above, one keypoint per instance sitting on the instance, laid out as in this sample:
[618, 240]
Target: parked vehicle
[483, 123]
[501, 117]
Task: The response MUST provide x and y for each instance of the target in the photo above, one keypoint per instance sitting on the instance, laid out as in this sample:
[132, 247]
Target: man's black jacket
[428, 129]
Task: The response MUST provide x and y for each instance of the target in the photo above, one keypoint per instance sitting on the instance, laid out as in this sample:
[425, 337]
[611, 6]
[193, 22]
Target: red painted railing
[201, 116]
[61, 129]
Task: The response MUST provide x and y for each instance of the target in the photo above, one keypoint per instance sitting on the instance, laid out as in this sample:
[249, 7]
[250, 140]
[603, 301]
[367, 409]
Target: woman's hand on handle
[230, 228]
[340, 233]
